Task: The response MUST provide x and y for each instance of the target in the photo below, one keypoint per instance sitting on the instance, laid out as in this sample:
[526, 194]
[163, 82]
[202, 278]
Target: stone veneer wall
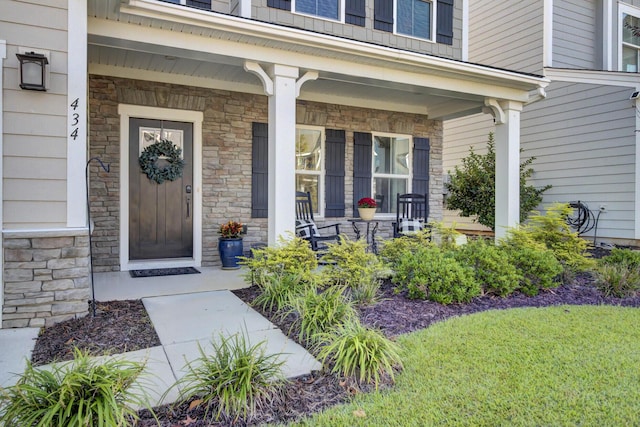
[226, 154]
[46, 277]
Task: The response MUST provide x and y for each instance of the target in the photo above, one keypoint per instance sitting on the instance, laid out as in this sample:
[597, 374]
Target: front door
[160, 214]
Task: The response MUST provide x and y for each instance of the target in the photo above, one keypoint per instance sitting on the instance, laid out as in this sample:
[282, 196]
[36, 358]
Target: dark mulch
[124, 326]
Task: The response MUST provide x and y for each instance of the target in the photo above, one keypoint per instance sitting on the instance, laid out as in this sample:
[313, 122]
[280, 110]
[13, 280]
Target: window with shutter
[416, 18]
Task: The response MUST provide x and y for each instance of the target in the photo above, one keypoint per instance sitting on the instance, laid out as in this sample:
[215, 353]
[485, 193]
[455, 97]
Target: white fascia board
[174, 13]
[603, 78]
[479, 84]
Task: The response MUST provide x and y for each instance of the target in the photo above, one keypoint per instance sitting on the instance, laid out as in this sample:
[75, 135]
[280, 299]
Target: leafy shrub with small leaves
[320, 312]
[445, 237]
[357, 351]
[617, 280]
[432, 273]
[350, 265]
[83, 392]
[292, 256]
[552, 230]
[277, 291]
[622, 256]
[233, 379]
[393, 250]
[491, 266]
[537, 266]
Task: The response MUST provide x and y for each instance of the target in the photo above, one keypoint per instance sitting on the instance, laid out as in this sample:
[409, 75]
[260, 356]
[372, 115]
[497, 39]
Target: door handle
[188, 205]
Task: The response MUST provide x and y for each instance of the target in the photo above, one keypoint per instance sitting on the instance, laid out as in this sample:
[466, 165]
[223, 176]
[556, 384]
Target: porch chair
[412, 213]
[306, 227]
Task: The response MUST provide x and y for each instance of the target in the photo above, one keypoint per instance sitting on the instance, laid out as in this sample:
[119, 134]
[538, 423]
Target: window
[323, 8]
[413, 18]
[310, 165]
[199, 4]
[391, 169]
[630, 43]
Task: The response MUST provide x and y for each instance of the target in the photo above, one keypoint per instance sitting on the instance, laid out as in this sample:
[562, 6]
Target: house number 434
[75, 119]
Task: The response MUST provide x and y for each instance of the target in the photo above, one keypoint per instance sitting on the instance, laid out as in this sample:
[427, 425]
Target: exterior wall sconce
[32, 70]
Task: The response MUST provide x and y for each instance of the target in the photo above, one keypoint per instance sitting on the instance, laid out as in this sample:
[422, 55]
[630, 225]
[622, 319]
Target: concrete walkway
[183, 321]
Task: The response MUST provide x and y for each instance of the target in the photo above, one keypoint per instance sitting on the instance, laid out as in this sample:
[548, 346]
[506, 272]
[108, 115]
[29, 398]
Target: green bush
[619, 280]
[394, 250]
[320, 312]
[536, 265]
[622, 256]
[292, 256]
[443, 236]
[472, 187]
[277, 291]
[233, 379]
[356, 351]
[491, 266]
[552, 230]
[83, 392]
[429, 272]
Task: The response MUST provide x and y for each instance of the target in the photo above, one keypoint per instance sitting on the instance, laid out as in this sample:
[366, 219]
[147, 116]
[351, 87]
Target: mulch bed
[124, 326]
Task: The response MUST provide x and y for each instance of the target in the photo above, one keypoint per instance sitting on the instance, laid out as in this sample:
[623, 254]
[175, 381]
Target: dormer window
[413, 18]
[630, 43]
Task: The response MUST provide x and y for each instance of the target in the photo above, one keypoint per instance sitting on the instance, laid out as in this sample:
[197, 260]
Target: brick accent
[46, 277]
[226, 154]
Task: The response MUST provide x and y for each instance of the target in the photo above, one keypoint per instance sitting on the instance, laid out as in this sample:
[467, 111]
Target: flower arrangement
[231, 230]
[367, 202]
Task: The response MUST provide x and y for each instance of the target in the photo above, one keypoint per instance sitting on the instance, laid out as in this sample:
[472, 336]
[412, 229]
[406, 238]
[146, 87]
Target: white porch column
[507, 147]
[282, 152]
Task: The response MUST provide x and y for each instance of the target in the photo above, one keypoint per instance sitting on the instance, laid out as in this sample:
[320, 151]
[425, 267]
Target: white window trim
[320, 174]
[624, 9]
[432, 24]
[341, 12]
[375, 175]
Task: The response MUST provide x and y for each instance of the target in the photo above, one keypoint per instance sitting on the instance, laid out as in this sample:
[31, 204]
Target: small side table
[370, 233]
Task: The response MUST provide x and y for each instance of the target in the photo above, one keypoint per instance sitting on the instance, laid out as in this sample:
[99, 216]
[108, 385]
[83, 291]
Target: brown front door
[160, 215]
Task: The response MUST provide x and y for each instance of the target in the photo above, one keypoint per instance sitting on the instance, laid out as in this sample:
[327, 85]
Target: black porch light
[32, 70]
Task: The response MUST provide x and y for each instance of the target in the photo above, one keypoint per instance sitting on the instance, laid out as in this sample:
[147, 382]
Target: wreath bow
[149, 161]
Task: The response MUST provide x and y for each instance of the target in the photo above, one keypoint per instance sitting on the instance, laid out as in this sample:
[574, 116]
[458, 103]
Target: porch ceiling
[163, 42]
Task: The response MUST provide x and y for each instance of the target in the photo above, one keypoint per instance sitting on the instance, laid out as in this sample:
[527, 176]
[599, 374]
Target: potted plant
[367, 208]
[230, 244]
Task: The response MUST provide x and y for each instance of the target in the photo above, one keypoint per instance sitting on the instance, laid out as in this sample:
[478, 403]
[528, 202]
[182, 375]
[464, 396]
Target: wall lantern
[32, 70]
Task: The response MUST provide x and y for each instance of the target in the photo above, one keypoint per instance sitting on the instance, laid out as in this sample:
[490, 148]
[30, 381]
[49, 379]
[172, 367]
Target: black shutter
[420, 183]
[354, 12]
[383, 15]
[362, 146]
[259, 171]
[334, 173]
[444, 23]
[280, 4]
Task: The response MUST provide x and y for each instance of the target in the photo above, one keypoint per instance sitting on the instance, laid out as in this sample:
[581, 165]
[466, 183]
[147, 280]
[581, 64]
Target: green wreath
[149, 161]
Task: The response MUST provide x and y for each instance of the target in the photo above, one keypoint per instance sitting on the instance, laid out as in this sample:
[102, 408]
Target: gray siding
[575, 29]
[507, 34]
[583, 138]
[261, 12]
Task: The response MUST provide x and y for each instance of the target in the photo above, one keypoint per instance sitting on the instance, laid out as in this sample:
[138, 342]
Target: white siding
[507, 34]
[583, 138]
[459, 135]
[574, 34]
[35, 122]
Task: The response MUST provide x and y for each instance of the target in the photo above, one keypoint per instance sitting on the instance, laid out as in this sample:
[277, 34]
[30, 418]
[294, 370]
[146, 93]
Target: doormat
[154, 272]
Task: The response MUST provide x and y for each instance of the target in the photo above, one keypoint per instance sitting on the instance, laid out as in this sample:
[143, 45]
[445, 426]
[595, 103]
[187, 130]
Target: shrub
[394, 250]
[277, 291]
[80, 393]
[365, 292]
[293, 256]
[472, 187]
[357, 351]
[622, 256]
[619, 280]
[491, 266]
[536, 265]
[552, 230]
[350, 265]
[429, 272]
[320, 312]
[445, 237]
[234, 378]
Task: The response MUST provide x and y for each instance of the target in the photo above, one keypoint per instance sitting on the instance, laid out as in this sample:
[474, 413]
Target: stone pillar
[507, 139]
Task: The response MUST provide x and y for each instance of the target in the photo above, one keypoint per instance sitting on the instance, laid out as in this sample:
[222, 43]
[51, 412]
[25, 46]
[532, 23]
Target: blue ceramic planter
[230, 250]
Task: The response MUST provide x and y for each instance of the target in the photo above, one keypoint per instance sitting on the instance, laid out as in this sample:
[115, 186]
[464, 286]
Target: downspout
[3, 55]
[538, 95]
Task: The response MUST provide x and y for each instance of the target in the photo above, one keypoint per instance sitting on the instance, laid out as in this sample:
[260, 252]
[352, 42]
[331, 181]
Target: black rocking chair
[412, 213]
[306, 227]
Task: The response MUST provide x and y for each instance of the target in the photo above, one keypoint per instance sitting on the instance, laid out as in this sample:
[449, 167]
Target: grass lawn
[557, 366]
